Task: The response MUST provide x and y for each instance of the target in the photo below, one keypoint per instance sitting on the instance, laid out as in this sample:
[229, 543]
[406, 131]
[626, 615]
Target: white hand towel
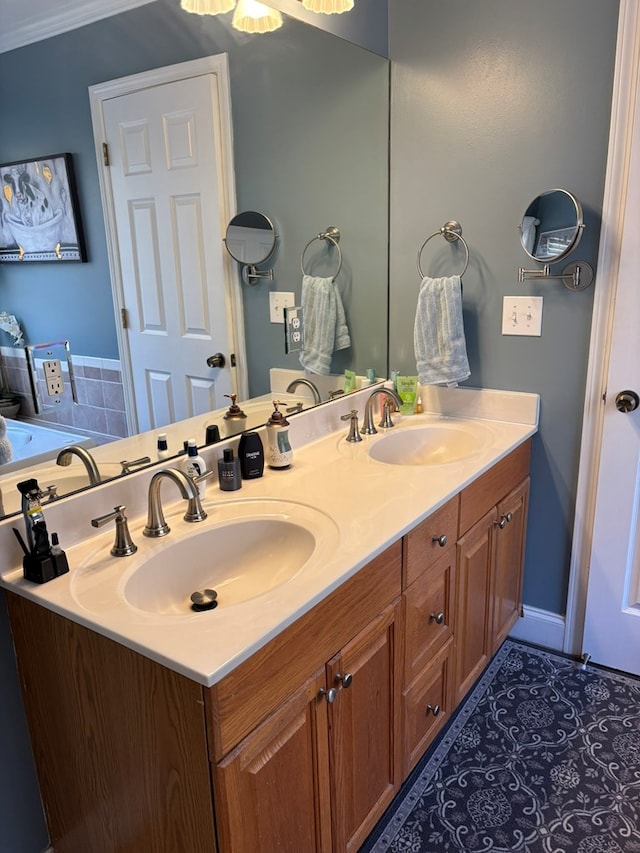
[439, 342]
[325, 326]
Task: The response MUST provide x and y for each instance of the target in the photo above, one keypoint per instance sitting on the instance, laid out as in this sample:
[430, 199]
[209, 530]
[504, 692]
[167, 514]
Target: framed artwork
[39, 211]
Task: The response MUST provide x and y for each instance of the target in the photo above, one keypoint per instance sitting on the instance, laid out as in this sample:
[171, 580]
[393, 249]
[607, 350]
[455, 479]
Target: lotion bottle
[279, 452]
[194, 465]
[163, 447]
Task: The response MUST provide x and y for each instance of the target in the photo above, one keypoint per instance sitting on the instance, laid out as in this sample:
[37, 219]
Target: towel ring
[331, 235]
[451, 231]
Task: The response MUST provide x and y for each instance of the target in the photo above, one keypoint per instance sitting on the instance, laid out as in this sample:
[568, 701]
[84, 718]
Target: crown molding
[19, 29]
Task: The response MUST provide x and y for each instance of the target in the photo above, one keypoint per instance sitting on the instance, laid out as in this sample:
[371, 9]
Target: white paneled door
[167, 188]
[612, 623]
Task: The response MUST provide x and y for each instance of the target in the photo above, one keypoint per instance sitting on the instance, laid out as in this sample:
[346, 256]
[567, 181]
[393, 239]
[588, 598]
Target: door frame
[218, 66]
[625, 86]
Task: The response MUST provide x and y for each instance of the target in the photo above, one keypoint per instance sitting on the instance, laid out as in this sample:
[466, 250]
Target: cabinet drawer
[423, 544]
[429, 614]
[489, 489]
[427, 705]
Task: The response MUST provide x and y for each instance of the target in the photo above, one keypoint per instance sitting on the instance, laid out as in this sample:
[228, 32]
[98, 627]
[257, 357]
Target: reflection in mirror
[309, 164]
[250, 240]
[250, 237]
[551, 226]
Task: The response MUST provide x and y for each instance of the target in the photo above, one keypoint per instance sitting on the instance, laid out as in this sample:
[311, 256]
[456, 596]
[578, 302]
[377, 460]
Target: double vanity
[360, 594]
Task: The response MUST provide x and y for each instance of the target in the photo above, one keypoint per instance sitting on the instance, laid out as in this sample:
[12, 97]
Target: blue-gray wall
[493, 102]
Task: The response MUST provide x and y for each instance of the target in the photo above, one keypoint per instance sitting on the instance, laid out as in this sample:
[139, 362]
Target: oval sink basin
[243, 550]
[433, 444]
[240, 561]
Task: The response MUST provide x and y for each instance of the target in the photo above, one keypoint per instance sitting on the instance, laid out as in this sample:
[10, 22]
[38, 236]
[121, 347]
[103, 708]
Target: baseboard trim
[540, 627]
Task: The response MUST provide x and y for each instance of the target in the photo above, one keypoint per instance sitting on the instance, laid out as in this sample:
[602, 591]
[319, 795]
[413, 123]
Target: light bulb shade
[207, 7]
[253, 17]
[328, 7]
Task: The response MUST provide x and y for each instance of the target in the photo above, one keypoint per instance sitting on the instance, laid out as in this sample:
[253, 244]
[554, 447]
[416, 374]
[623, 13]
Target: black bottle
[251, 454]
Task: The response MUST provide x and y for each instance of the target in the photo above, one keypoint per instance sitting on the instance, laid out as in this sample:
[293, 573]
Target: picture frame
[39, 214]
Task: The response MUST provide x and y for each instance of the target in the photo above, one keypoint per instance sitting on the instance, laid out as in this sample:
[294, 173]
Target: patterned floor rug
[542, 757]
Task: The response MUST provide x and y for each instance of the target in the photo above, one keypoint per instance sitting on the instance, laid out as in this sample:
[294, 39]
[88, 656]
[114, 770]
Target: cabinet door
[474, 637]
[272, 791]
[509, 559]
[363, 730]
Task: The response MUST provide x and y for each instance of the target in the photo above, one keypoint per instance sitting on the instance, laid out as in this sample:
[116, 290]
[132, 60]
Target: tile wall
[100, 410]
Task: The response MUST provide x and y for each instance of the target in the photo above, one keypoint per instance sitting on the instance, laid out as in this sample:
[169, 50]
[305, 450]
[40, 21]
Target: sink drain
[204, 599]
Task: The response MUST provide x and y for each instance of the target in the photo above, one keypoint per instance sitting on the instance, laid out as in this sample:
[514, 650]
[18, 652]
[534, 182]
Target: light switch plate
[278, 301]
[522, 315]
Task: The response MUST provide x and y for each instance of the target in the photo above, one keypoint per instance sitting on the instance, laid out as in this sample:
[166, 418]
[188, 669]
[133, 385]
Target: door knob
[627, 401]
[217, 360]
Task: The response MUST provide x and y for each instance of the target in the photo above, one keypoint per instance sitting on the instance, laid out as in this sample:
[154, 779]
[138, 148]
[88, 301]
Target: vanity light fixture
[328, 7]
[207, 7]
[253, 17]
[250, 16]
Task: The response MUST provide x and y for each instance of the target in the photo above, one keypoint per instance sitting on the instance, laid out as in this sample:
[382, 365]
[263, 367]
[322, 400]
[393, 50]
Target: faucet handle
[387, 407]
[135, 463]
[124, 545]
[195, 511]
[354, 431]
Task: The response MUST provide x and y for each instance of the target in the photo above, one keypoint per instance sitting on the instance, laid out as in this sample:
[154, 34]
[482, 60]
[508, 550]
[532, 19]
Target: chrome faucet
[368, 427]
[156, 524]
[67, 453]
[291, 387]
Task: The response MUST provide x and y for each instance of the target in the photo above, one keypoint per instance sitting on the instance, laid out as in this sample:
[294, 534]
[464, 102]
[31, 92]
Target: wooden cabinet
[326, 759]
[489, 564]
[428, 602]
[307, 741]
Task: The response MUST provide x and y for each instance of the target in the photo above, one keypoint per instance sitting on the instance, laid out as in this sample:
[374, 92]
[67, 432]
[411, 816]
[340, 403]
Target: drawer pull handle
[504, 520]
[441, 540]
[345, 680]
[435, 709]
[438, 618]
[330, 694]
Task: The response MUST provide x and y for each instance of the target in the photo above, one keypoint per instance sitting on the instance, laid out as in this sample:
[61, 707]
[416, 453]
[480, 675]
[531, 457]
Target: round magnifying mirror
[551, 226]
[250, 237]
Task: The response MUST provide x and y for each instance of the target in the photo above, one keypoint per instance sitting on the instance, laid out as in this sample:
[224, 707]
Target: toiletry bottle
[279, 453]
[229, 471]
[251, 453]
[194, 465]
[234, 419]
[163, 447]
[212, 434]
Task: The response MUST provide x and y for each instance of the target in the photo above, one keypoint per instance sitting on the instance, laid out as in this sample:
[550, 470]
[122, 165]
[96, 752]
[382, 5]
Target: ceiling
[27, 21]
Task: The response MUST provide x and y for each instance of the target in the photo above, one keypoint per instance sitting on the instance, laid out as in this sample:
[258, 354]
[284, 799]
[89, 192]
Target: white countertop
[361, 506]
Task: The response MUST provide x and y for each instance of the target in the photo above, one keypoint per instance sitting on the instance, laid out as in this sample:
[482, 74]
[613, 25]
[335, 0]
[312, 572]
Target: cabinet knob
[345, 680]
[504, 520]
[434, 709]
[438, 618]
[441, 540]
[330, 694]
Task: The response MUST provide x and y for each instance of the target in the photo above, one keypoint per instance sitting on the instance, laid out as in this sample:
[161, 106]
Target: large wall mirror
[298, 156]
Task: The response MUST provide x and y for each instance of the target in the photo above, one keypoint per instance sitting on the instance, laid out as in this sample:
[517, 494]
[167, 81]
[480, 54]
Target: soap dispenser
[279, 453]
[234, 419]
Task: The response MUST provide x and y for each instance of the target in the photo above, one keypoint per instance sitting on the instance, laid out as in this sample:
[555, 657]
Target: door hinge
[124, 318]
[232, 359]
[604, 397]
[105, 153]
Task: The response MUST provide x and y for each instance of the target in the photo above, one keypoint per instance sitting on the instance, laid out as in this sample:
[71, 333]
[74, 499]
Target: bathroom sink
[66, 479]
[243, 550]
[240, 561]
[433, 444]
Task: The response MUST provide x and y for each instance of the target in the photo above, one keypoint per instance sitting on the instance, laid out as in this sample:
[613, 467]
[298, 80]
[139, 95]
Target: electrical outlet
[53, 377]
[293, 329]
[522, 315]
[278, 301]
